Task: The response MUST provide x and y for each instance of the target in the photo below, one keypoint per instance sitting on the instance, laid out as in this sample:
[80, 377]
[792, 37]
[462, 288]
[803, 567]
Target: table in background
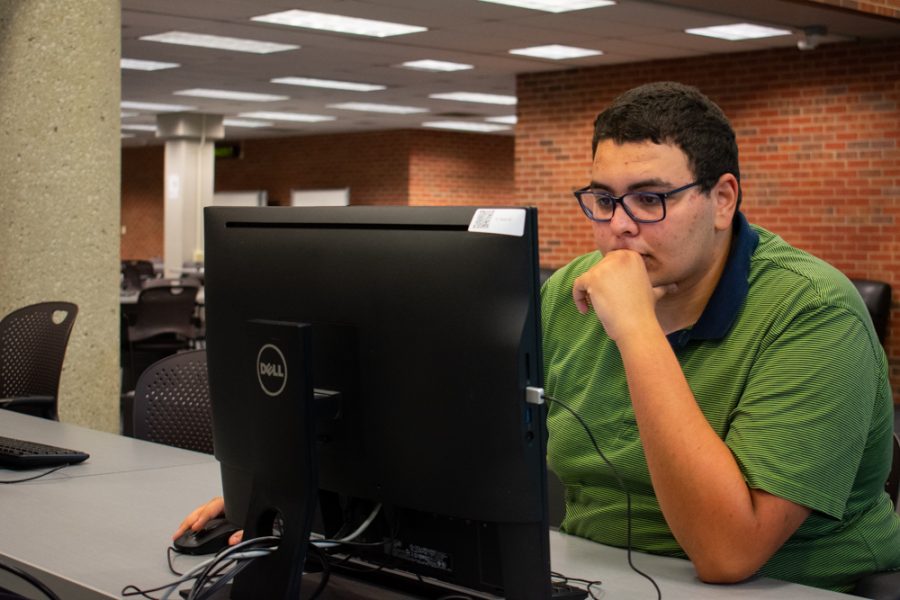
[91, 529]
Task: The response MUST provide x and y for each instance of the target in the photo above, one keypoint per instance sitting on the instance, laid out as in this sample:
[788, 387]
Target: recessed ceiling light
[287, 116]
[465, 126]
[127, 135]
[434, 65]
[379, 108]
[230, 95]
[476, 97]
[138, 127]
[338, 23]
[124, 114]
[506, 120]
[245, 123]
[329, 84]
[155, 106]
[554, 6]
[738, 31]
[145, 65]
[556, 52]
[203, 40]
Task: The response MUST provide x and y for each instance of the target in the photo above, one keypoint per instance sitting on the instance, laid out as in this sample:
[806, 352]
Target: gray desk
[91, 529]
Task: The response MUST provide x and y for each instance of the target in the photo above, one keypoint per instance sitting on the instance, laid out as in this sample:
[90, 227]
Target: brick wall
[452, 168]
[142, 202]
[819, 137]
[887, 8]
[374, 166]
[389, 167]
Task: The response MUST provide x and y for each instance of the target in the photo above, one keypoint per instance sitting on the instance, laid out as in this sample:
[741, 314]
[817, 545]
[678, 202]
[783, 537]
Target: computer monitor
[419, 330]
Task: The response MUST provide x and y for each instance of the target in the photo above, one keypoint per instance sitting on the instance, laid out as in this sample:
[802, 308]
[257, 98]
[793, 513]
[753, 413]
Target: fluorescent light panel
[434, 65]
[202, 40]
[287, 116]
[337, 23]
[476, 97]
[554, 6]
[155, 106]
[393, 109]
[329, 84]
[138, 127]
[145, 65]
[738, 31]
[555, 52]
[245, 123]
[506, 120]
[465, 126]
[230, 95]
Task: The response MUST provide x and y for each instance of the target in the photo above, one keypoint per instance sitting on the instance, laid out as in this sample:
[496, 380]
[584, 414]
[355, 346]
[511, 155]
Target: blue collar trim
[721, 310]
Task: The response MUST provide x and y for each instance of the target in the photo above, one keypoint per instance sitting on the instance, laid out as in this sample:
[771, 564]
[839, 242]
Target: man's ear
[725, 195]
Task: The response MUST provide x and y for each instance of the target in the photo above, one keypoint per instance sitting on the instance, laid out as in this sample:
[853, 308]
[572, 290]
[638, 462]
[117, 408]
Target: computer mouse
[208, 540]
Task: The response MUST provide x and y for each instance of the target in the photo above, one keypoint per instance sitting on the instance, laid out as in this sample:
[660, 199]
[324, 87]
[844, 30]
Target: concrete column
[59, 184]
[189, 182]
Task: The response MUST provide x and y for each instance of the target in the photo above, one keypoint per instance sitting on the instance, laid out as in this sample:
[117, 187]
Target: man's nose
[621, 223]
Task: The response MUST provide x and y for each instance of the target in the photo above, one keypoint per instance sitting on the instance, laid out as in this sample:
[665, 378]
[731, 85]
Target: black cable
[223, 558]
[587, 583]
[622, 485]
[33, 477]
[133, 590]
[31, 579]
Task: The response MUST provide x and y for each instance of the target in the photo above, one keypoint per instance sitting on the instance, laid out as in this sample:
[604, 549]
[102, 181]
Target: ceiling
[465, 31]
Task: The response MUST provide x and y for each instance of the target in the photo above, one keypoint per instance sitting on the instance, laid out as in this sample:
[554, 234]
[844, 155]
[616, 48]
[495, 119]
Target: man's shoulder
[779, 269]
[569, 272]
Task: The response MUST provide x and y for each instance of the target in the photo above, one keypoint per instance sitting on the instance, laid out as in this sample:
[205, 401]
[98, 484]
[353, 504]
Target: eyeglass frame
[663, 196]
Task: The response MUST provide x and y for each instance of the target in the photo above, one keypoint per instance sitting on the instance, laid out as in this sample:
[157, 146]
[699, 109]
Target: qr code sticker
[482, 220]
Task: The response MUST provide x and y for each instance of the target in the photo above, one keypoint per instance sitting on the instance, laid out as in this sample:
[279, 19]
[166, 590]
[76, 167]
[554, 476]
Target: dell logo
[271, 370]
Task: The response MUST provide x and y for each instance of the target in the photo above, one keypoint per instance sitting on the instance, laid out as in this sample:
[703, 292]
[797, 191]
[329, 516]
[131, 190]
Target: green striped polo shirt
[786, 367]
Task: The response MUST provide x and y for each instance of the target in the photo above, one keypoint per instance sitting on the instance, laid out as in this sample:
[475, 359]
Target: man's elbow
[725, 569]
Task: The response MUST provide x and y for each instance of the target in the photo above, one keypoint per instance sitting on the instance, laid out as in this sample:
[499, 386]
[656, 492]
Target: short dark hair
[667, 112]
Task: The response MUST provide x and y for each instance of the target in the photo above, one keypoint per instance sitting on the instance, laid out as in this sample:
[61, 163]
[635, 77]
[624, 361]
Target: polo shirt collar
[728, 297]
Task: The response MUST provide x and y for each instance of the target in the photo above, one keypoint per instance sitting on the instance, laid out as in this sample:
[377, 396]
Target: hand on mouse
[201, 515]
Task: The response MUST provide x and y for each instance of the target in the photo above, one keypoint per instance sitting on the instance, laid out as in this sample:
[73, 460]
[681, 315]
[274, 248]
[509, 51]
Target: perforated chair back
[164, 309]
[171, 403]
[33, 342]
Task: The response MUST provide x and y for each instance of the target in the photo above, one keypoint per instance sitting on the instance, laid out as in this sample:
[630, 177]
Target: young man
[735, 383]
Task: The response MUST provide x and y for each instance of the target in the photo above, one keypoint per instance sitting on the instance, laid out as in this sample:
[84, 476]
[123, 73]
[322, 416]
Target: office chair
[171, 403]
[33, 342]
[136, 272]
[877, 297]
[161, 323]
[885, 586]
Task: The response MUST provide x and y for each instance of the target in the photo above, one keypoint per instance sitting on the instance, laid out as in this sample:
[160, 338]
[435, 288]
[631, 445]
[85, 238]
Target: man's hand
[201, 515]
[619, 290]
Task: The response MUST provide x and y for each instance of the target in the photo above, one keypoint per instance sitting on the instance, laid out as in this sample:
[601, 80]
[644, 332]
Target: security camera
[812, 36]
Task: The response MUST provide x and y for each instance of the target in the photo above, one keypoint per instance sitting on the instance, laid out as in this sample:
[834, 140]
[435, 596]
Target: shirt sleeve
[800, 428]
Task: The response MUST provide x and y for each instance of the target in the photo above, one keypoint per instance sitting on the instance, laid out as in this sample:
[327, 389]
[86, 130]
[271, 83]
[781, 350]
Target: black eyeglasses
[642, 207]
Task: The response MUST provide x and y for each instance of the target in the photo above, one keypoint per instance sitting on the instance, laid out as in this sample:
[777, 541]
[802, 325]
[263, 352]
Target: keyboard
[22, 454]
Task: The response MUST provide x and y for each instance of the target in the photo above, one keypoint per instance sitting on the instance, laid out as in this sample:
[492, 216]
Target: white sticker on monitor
[501, 221]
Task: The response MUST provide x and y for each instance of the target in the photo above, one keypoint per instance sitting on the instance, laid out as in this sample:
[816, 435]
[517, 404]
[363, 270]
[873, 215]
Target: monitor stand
[284, 491]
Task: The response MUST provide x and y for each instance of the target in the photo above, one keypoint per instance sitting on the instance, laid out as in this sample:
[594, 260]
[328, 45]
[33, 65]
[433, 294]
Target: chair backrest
[33, 341]
[171, 402]
[164, 309]
[892, 485]
[877, 297]
[136, 272]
